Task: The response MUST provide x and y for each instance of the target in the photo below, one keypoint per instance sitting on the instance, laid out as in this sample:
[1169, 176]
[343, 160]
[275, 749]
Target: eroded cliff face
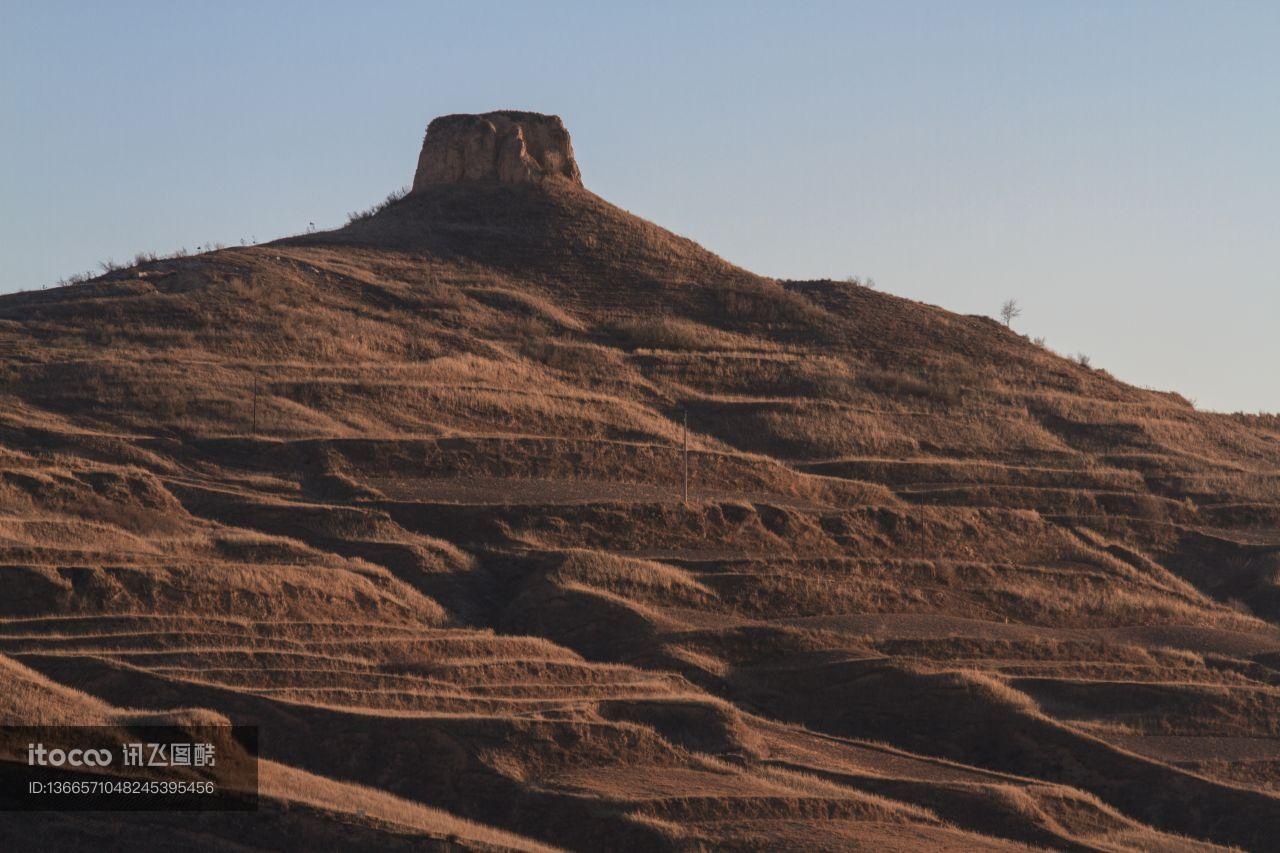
[507, 147]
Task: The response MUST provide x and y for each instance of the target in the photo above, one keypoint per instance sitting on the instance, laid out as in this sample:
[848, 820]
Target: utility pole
[686, 457]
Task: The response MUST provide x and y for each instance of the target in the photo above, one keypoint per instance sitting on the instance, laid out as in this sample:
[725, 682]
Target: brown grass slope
[407, 495]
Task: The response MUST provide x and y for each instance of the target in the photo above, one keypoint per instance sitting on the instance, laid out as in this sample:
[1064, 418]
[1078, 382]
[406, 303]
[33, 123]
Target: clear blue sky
[1114, 166]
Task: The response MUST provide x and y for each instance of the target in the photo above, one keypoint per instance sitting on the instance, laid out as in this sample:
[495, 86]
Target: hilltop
[408, 495]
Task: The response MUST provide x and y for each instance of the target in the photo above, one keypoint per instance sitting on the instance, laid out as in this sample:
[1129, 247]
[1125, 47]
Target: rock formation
[507, 146]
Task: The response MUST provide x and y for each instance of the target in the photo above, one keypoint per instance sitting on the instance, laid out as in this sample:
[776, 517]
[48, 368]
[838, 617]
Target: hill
[409, 496]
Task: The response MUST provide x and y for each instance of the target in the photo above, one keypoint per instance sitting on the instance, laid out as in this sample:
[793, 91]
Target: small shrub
[369, 213]
[77, 278]
[1010, 311]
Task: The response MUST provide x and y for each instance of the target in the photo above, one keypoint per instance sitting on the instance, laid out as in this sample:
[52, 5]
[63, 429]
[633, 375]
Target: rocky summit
[508, 147]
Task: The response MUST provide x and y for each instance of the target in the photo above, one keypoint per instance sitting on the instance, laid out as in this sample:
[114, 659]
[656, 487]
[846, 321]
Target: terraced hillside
[408, 495]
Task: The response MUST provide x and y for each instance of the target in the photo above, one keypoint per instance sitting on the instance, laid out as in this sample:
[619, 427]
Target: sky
[1113, 166]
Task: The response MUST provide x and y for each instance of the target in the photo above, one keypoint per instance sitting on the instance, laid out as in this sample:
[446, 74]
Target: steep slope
[408, 495]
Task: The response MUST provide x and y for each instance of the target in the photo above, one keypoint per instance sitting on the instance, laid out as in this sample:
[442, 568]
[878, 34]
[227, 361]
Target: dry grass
[408, 493]
[674, 333]
[365, 804]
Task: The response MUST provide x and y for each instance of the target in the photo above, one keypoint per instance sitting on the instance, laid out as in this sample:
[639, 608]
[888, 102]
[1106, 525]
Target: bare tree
[1010, 311]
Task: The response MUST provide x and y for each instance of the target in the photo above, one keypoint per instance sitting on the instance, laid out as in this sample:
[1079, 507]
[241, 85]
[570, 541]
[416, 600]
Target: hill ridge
[409, 495]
